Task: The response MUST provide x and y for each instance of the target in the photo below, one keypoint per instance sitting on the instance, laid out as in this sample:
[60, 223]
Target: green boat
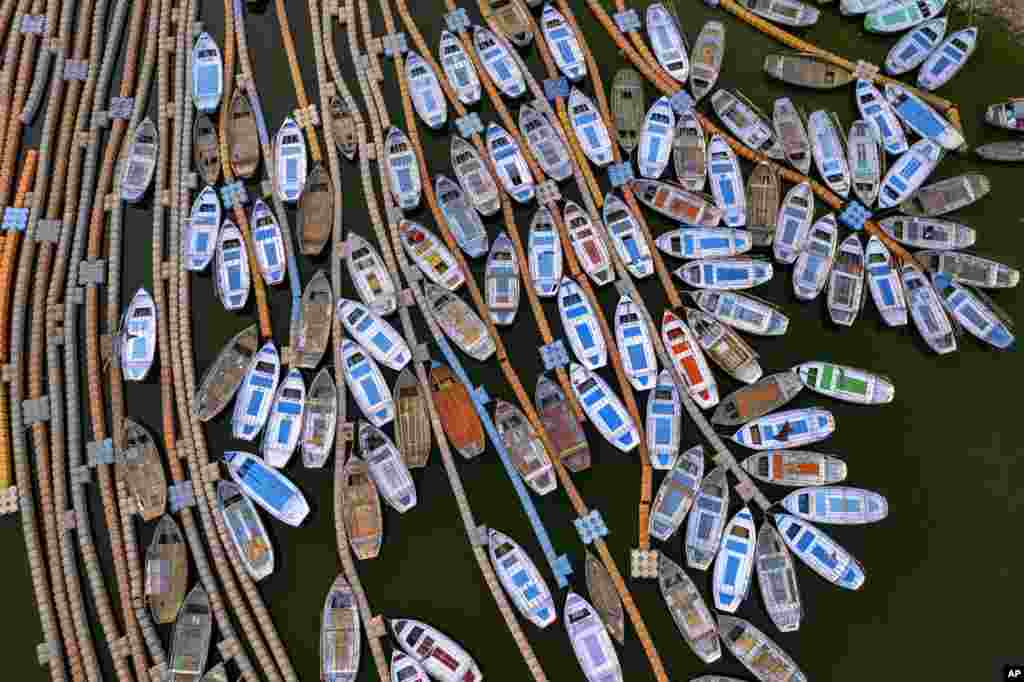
[900, 16]
[849, 384]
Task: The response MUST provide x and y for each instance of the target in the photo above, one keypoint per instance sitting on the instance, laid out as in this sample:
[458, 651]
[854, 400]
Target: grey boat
[692, 617]
[746, 122]
[314, 325]
[320, 420]
[206, 149]
[690, 152]
[706, 58]
[967, 268]
[143, 471]
[316, 211]
[193, 630]
[343, 124]
[762, 657]
[628, 107]
[776, 576]
[412, 421]
[166, 571]
[750, 402]
[763, 197]
[946, 196]
[806, 70]
[786, 12]
[1009, 151]
[225, 375]
[339, 634]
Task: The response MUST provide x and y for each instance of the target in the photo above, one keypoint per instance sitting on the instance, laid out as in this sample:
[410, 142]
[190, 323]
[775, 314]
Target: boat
[705, 524]
[866, 162]
[811, 272]
[580, 325]
[360, 510]
[246, 529]
[846, 282]
[667, 41]
[290, 161]
[786, 429]
[760, 655]
[746, 122]
[137, 337]
[845, 383]
[1010, 151]
[344, 127]
[901, 15]
[761, 235]
[589, 128]
[691, 615]
[207, 74]
[459, 419]
[690, 152]
[763, 195]
[969, 269]
[628, 107]
[746, 313]
[139, 161]
[425, 88]
[913, 49]
[758, 399]
[676, 493]
[928, 233]
[513, 20]
[320, 420]
[474, 177]
[267, 487]
[908, 173]
[724, 346]
[252, 406]
[269, 244]
[590, 641]
[672, 201]
[926, 309]
[820, 553]
[828, 151]
[806, 70]
[664, 422]
[460, 323]
[430, 255]
[141, 468]
[243, 136]
[626, 237]
[725, 274]
[703, 242]
[884, 283]
[877, 111]
[284, 425]
[217, 673]
[562, 426]
[365, 381]
[522, 581]
[795, 468]
[589, 246]
[412, 420]
[545, 143]
[439, 655]
[232, 281]
[856, 7]
[387, 468]
[921, 118]
[636, 349]
[374, 334]
[948, 58]
[190, 643]
[200, 242]
[459, 69]
[776, 576]
[565, 49]
[734, 565]
[206, 149]
[510, 164]
[498, 63]
[463, 220]
[791, 131]
[166, 571]
[501, 281]
[403, 169]
[314, 323]
[973, 313]
[1008, 114]
[605, 598]
[340, 634]
[316, 212]
[946, 196]
[371, 278]
[604, 409]
[727, 182]
[545, 254]
[404, 668]
[689, 360]
[656, 138]
[224, 376]
[786, 12]
[706, 59]
[836, 505]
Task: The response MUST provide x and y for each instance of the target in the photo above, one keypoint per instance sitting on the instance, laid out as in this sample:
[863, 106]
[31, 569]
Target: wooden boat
[233, 278]
[316, 212]
[463, 220]
[913, 49]
[143, 471]
[703, 242]
[763, 194]
[786, 429]
[628, 107]
[901, 15]
[224, 376]
[248, 534]
[857, 7]
[725, 274]
[664, 423]
[580, 326]
[745, 122]
[828, 151]
[315, 322]
[243, 136]
[207, 74]
[1008, 114]
[403, 169]
[724, 346]
[474, 177]
[427, 97]
[734, 565]
[820, 553]
[284, 426]
[339, 634]
[387, 468]
[510, 164]
[603, 408]
[513, 20]
[690, 152]
[846, 383]
[973, 313]
[374, 334]
[705, 524]
[202, 230]
[727, 182]
[256, 393]
[791, 131]
[605, 598]
[776, 576]
[928, 233]
[884, 283]
[969, 269]
[136, 341]
[343, 125]
[589, 128]
[795, 468]
[909, 172]
[190, 644]
[786, 12]
[667, 41]
[562, 426]
[404, 668]
[875, 109]
[1009, 151]
[206, 149]
[545, 250]
[747, 313]
[561, 39]
[431, 255]
[806, 70]
[590, 641]
[166, 571]
[412, 421]
[691, 615]
[439, 655]
[926, 310]
[810, 274]
[758, 399]
[360, 508]
[545, 143]
[321, 419]
[458, 69]
[290, 161]
[948, 58]
[460, 323]
[837, 505]
[656, 138]
[626, 237]
[365, 381]
[846, 282]
[372, 280]
[635, 345]
[269, 244]
[217, 673]
[501, 281]
[522, 581]
[455, 408]
[589, 246]
[139, 161]
[267, 487]
[689, 360]
[921, 118]
[498, 63]
[706, 59]
[760, 655]
[866, 162]
[946, 196]
[676, 493]
[672, 201]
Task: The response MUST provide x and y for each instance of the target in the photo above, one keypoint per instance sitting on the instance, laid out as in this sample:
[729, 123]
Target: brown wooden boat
[561, 425]
[243, 136]
[343, 124]
[513, 20]
[143, 471]
[225, 375]
[807, 70]
[757, 400]
[763, 196]
[605, 598]
[412, 422]
[361, 511]
[166, 571]
[316, 211]
[206, 149]
[315, 323]
[455, 408]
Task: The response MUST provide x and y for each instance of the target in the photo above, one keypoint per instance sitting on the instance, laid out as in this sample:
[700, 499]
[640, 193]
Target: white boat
[139, 161]
[762, 657]
[810, 274]
[1008, 114]
[522, 581]
[704, 527]
[970, 269]
[589, 246]
[590, 129]
[746, 313]
[510, 164]
[580, 326]
[320, 420]
[884, 283]
[706, 59]
[545, 143]
[501, 281]
[900, 15]
[667, 41]
[561, 39]
[252, 404]
[474, 177]
[137, 339]
[846, 282]
[664, 422]
[850, 384]
[836, 504]
[746, 123]
[636, 348]
[590, 641]
[267, 487]
[374, 334]
[776, 576]
[676, 203]
[794, 223]
[427, 97]
[948, 58]
[909, 172]
[442, 658]
[525, 448]
[405, 668]
[913, 48]
[207, 74]
[786, 12]
[690, 363]
[339, 634]
[820, 553]
[463, 221]
[371, 278]
[866, 162]
[828, 151]
[656, 138]
[248, 534]
[928, 233]
[927, 311]
[857, 7]
[403, 169]
[791, 131]
[604, 409]
[691, 615]
[290, 161]
[795, 468]
[727, 182]
[690, 152]
[268, 243]
[726, 274]
[284, 425]
[460, 323]
[920, 117]
[875, 109]
[676, 493]
[200, 242]
[497, 60]
[724, 346]
[545, 252]
[973, 313]
[430, 255]
[232, 276]
[704, 242]
[626, 237]
[734, 565]
[365, 381]
[458, 69]
[786, 429]
[387, 468]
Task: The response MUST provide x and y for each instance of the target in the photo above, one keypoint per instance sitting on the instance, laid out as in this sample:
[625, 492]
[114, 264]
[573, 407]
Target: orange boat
[689, 360]
[460, 421]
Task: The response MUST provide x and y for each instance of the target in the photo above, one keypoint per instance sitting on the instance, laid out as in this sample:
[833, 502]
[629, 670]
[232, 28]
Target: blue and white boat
[866, 161]
[829, 151]
[734, 566]
[267, 487]
[545, 143]
[928, 233]
[604, 409]
[590, 641]
[252, 404]
[912, 49]
[927, 311]
[836, 504]
[725, 274]
[822, 554]
[948, 58]
[232, 276]
[704, 527]
[627, 239]
[522, 581]
[320, 420]
[657, 135]
[372, 280]
[740, 311]
[430, 255]
[403, 169]
[427, 96]
[565, 49]
[794, 223]
[580, 325]
[909, 172]
[501, 281]
[920, 117]
[497, 59]
[207, 74]
[589, 246]
[463, 220]
[875, 109]
[664, 422]
[704, 242]
[727, 182]
[474, 177]
[884, 283]
[545, 252]
[971, 311]
[509, 163]
[667, 42]
[137, 341]
[636, 347]
[374, 334]
[284, 426]
[458, 69]
[791, 131]
[387, 468]
[269, 243]
[810, 274]
[786, 429]
[366, 383]
[290, 161]
[590, 129]
[138, 165]
[676, 493]
[200, 241]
